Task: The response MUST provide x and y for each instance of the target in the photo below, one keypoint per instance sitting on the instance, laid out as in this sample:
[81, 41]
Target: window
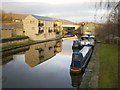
[39, 28]
[41, 51]
[76, 57]
[50, 47]
[58, 32]
[40, 24]
[55, 30]
[49, 30]
[41, 57]
[55, 25]
[40, 31]
[32, 21]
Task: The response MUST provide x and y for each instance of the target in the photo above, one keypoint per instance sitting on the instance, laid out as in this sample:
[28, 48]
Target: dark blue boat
[80, 59]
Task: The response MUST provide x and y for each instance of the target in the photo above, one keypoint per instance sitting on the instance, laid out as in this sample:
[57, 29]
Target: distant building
[41, 28]
[75, 27]
[89, 28]
[18, 31]
[70, 28]
[6, 31]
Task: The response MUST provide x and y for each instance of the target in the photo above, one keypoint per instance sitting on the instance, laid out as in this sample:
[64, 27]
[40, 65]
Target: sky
[73, 10]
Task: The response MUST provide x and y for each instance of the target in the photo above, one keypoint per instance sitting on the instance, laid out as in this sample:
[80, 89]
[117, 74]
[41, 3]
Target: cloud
[70, 11]
[51, 1]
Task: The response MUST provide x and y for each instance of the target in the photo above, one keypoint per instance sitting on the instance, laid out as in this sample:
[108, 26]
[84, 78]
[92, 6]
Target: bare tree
[108, 30]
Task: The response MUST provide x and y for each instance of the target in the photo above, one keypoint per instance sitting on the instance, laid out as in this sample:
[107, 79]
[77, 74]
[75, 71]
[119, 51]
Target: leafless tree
[109, 22]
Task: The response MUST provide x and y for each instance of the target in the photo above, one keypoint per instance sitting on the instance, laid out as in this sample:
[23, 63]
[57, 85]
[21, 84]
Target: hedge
[14, 38]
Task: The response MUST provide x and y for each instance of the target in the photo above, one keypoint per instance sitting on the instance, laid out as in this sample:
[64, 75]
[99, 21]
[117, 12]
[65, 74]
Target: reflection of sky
[73, 10]
[53, 73]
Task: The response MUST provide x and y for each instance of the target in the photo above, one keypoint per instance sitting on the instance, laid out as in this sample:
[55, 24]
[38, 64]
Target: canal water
[43, 65]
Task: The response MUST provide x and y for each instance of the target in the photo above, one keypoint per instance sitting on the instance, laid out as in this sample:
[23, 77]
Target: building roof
[43, 18]
[5, 27]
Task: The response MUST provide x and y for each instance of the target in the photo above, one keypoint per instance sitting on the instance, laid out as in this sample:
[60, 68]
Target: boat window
[91, 38]
[76, 57]
[84, 38]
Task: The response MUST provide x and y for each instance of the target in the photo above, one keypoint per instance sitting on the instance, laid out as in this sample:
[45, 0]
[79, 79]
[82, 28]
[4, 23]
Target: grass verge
[108, 72]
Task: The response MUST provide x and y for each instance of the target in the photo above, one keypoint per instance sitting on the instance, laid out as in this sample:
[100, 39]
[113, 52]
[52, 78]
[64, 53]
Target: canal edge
[91, 76]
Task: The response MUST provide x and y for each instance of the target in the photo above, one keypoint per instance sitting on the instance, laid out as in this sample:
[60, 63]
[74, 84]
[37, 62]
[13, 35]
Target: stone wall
[6, 34]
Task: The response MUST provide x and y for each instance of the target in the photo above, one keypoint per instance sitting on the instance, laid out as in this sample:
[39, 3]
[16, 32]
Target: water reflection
[34, 54]
[53, 73]
[8, 55]
[41, 52]
[76, 79]
[76, 50]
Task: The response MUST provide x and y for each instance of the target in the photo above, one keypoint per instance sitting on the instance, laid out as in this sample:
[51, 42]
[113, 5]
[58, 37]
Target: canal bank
[91, 75]
[102, 70]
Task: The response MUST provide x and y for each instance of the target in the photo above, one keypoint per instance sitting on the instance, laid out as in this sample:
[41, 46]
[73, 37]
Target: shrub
[14, 38]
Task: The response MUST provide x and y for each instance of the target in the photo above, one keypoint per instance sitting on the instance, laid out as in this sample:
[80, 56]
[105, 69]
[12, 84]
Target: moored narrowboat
[80, 59]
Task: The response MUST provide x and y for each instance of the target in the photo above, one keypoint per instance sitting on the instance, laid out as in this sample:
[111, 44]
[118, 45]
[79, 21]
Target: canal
[43, 65]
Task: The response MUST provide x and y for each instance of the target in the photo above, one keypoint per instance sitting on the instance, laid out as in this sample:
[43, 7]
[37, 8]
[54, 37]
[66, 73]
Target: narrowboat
[80, 59]
[85, 41]
[76, 44]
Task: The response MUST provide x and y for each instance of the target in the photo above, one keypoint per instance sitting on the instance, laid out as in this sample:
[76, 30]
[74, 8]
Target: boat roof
[85, 50]
[92, 36]
[84, 36]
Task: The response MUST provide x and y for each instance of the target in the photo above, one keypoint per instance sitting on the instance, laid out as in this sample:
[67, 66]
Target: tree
[110, 20]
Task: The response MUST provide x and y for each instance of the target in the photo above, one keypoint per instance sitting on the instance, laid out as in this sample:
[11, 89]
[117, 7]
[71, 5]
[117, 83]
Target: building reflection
[34, 54]
[8, 55]
[41, 52]
[76, 79]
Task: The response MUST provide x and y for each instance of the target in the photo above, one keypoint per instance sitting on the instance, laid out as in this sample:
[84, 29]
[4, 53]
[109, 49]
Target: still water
[43, 65]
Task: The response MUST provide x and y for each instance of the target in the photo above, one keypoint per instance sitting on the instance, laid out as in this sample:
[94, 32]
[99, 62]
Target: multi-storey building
[41, 28]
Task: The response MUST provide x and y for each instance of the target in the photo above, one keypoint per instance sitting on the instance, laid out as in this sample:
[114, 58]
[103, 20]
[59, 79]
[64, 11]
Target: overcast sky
[73, 10]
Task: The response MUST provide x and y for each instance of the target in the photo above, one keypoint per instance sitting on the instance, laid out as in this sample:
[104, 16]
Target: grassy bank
[108, 72]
